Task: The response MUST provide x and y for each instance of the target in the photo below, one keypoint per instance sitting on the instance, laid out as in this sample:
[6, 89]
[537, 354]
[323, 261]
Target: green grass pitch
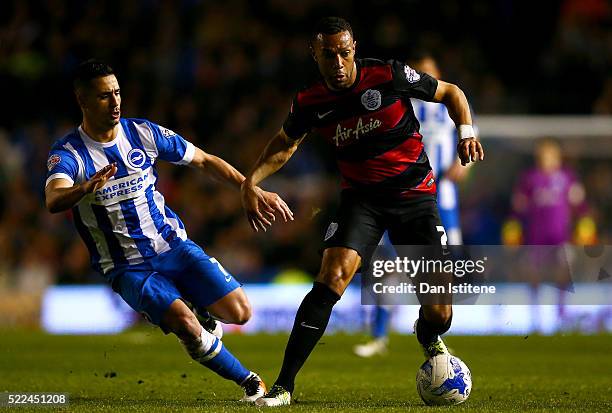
[152, 373]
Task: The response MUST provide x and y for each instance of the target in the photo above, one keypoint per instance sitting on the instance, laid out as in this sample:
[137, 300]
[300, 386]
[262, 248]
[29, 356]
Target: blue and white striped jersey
[439, 135]
[440, 140]
[126, 221]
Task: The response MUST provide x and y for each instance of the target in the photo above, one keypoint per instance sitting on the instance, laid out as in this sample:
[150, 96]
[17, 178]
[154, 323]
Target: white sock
[204, 347]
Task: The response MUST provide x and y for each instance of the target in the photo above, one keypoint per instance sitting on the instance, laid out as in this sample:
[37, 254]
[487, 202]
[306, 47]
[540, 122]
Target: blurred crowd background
[222, 74]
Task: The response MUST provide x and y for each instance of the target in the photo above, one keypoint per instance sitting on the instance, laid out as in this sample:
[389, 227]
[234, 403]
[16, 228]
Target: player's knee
[242, 313]
[238, 311]
[334, 278]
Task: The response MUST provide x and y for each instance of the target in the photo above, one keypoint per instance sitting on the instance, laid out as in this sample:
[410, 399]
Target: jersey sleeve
[413, 83]
[61, 164]
[297, 122]
[171, 146]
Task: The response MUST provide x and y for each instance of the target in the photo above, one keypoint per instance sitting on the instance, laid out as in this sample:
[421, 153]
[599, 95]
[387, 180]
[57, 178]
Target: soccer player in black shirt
[362, 108]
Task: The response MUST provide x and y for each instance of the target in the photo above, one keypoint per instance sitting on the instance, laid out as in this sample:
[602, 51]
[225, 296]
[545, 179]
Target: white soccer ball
[444, 380]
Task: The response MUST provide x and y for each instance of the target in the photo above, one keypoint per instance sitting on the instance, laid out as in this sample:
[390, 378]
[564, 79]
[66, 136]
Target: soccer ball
[444, 380]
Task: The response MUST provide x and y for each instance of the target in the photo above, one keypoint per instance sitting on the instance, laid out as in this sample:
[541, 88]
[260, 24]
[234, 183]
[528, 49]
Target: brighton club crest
[371, 99]
[136, 158]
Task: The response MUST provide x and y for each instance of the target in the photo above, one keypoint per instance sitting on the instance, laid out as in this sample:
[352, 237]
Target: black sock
[427, 332]
[310, 323]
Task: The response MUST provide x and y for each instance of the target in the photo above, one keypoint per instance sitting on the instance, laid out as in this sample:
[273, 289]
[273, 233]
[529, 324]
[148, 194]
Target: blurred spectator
[221, 74]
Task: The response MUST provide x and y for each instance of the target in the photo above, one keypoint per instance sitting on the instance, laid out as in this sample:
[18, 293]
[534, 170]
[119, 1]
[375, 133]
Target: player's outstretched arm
[61, 195]
[268, 202]
[468, 148]
[276, 153]
[216, 167]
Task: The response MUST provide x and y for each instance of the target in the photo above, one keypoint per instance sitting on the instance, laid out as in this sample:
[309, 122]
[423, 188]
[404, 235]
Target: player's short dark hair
[88, 70]
[330, 25]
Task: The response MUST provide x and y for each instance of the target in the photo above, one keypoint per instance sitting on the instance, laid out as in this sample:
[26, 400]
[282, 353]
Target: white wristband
[466, 131]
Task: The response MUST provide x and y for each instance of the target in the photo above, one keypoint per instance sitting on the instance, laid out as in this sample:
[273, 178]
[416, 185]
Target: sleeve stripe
[59, 175]
[189, 153]
[81, 167]
[149, 141]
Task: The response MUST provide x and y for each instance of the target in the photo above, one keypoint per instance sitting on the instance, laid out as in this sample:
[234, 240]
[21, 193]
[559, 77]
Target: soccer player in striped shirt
[104, 171]
[440, 139]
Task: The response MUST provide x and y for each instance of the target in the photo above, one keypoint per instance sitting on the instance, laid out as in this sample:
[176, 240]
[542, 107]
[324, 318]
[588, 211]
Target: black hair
[88, 70]
[330, 25]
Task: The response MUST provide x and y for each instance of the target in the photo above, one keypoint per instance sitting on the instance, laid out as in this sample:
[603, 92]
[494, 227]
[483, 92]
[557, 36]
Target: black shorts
[360, 222]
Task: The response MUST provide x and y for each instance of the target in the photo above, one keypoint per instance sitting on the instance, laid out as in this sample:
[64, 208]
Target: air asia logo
[371, 99]
[53, 160]
[166, 132]
[136, 158]
[411, 75]
[345, 134]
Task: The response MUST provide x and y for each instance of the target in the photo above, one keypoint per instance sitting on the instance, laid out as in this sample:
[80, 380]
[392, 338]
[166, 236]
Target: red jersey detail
[390, 163]
[427, 186]
[373, 76]
[369, 76]
[352, 129]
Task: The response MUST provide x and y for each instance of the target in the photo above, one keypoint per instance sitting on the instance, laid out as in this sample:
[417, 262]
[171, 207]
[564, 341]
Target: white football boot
[277, 396]
[378, 346]
[254, 388]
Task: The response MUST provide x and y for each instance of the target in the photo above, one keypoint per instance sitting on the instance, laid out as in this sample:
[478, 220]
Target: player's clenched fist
[100, 178]
[469, 150]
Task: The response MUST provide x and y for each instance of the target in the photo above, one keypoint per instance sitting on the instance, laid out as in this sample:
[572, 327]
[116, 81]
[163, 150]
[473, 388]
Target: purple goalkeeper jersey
[544, 202]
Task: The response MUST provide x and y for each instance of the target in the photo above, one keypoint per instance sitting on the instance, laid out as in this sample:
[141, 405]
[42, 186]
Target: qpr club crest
[136, 158]
[371, 99]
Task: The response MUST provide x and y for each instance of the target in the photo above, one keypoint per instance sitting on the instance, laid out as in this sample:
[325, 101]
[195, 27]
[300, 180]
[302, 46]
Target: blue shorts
[186, 272]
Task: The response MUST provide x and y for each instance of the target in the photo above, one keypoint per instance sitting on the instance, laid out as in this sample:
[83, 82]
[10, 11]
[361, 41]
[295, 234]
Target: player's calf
[208, 322]
[438, 315]
[208, 350]
[181, 321]
[338, 268]
[309, 325]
